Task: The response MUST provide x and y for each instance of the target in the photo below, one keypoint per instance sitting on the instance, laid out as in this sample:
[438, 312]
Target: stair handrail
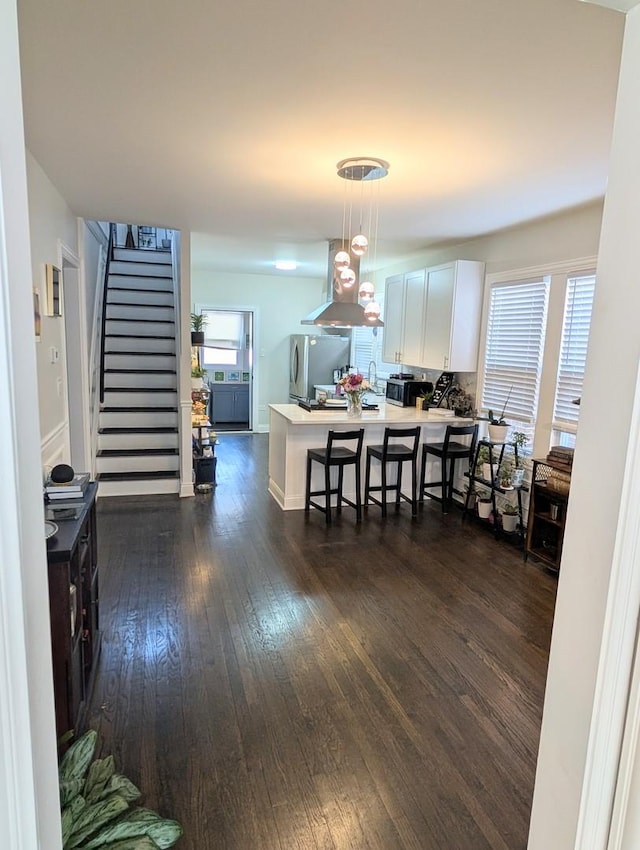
[112, 238]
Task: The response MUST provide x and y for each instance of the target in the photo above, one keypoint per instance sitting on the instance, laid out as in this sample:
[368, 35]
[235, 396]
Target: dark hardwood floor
[274, 685]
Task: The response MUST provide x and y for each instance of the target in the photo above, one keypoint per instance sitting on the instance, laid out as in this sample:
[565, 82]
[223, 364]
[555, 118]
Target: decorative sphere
[372, 310]
[366, 291]
[62, 473]
[348, 278]
[359, 245]
[342, 260]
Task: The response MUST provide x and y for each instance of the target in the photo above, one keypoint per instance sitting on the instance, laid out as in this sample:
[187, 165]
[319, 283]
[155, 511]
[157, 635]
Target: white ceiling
[227, 119]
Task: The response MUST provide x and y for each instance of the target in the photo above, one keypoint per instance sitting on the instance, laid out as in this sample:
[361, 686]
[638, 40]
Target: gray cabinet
[229, 403]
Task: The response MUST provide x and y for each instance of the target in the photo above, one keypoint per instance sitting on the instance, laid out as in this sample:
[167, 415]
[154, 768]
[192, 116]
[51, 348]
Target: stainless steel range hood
[343, 310]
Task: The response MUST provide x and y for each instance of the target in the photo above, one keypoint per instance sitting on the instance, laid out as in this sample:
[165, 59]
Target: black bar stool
[449, 452]
[337, 456]
[392, 452]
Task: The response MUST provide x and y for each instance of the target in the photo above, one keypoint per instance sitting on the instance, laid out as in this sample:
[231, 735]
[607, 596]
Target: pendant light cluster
[359, 236]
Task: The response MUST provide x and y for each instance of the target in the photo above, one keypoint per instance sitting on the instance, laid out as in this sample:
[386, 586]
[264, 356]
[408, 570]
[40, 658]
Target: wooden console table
[73, 608]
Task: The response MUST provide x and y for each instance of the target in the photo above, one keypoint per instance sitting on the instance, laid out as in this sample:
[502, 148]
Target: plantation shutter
[573, 350]
[223, 329]
[514, 346]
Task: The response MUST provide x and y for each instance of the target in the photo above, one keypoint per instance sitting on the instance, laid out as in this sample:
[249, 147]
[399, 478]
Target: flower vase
[354, 405]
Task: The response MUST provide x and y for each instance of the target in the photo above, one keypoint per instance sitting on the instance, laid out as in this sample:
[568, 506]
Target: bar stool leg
[443, 472]
[452, 469]
[358, 494]
[383, 492]
[307, 495]
[398, 483]
[327, 488]
[414, 486]
[367, 478]
[423, 475]
[340, 480]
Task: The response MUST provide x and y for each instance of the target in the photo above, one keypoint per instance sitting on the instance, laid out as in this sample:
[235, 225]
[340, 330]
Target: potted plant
[484, 502]
[423, 400]
[198, 321]
[505, 473]
[519, 440]
[498, 426]
[197, 374]
[486, 469]
[510, 515]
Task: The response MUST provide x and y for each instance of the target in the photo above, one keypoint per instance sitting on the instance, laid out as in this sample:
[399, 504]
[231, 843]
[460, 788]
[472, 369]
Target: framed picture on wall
[233, 376]
[218, 376]
[37, 315]
[54, 290]
[245, 377]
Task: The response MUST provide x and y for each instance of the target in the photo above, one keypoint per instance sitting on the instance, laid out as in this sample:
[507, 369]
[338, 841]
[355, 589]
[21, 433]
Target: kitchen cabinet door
[393, 318]
[241, 404]
[452, 316]
[403, 318]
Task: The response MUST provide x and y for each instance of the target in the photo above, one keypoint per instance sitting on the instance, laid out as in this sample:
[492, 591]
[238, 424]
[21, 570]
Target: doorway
[228, 357]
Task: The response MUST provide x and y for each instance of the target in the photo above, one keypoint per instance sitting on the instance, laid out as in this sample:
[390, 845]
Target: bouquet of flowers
[354, 385]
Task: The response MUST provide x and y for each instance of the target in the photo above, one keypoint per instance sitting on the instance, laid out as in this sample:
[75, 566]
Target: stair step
[129, 295]
[140, 371]
[141, 283]
[145, 301]
[136, 476]
[139, 269]
[161, 430]
[139, 410]
[142, 486]
[140, 381]
[147, 396]
[136, 336]
[142, 255]
[142, 417]
[140, 320]
[142, 353]
[136, 452]
[140, 327]
[137, 390]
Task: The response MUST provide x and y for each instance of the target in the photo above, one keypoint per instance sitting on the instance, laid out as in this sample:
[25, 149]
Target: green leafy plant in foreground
[96, 810]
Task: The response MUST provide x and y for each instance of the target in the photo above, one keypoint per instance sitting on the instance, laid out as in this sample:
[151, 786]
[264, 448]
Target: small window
[219, 357]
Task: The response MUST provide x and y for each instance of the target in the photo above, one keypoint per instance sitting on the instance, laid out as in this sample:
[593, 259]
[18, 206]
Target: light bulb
[372, 310]
[366, 291]
[359, 245]
[348, 278]
[342, 260]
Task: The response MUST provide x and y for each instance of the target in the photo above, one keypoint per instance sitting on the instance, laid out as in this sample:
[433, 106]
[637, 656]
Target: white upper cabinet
[452, 316]
[404, 318]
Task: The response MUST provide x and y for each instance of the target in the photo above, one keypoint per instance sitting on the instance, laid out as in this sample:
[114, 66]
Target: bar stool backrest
[401, 434]
[461, 431]
[343, 437]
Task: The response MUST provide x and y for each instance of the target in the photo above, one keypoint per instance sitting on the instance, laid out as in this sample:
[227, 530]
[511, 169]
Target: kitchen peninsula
[293, 430]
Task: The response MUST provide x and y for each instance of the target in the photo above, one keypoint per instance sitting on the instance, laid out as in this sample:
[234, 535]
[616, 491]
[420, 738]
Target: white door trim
[617, 674]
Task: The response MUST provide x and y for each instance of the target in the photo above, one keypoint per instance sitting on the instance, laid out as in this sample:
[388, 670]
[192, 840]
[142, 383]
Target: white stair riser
[138, 296]
[144, 463]
[148, 256]
[140, 311]
[139, 269]
[157, 346]
[113, 326]
[112, 398]
[139, 361]
[139, 488]
[139, 380]
[138, 441]
[139, 420]
[130, 281]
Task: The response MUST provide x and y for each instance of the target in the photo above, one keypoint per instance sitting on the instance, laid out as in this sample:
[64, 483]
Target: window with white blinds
[514, 347]
[573, 350]
[366, 346]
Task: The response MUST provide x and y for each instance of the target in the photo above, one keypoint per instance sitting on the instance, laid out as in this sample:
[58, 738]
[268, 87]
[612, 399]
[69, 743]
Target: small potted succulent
[423, 400]
[505, 473]
[487, 470]
[510, 515]
[197, 375]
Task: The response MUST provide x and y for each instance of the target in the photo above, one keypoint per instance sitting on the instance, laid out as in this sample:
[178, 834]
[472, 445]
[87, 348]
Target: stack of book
[561, 457]
[69, 491]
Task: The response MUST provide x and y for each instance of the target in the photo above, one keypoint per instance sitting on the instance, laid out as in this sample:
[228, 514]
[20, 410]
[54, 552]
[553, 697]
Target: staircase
[138, 424]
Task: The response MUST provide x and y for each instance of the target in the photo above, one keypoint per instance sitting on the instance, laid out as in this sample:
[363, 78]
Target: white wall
[281, 302]
[566, 236]
[51, 221]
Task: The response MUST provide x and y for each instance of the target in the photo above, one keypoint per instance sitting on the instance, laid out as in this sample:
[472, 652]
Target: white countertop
[387, 414]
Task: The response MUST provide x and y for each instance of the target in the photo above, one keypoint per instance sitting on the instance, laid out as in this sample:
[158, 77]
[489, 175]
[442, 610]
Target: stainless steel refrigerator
[313, 360]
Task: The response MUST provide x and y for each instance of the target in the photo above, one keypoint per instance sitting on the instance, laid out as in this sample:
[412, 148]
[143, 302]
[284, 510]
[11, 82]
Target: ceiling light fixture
[286, 265]
[361, 176]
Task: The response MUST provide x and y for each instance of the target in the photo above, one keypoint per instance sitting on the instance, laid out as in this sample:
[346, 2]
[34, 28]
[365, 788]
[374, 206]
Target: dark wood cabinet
[74, 608]
[547, 513]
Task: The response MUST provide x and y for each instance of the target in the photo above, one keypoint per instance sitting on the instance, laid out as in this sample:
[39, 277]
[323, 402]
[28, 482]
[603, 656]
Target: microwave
[403, 393]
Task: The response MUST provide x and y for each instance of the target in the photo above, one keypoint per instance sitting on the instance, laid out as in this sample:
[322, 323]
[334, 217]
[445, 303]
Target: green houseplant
[520, 441]
[484, 502]
[96, 805]
[198, 322]
[510, 515]
[498, 426]
[423, 400]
